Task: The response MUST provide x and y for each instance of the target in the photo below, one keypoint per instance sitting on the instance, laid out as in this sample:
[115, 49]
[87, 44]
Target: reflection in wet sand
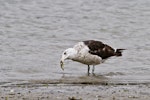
[97, 79]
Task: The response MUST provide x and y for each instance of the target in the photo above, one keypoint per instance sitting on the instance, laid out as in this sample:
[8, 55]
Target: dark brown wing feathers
[102, 50]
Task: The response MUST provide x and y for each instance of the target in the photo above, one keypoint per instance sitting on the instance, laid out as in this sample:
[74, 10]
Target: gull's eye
[65, 53]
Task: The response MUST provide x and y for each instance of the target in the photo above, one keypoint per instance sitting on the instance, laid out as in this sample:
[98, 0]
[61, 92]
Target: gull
[89, 52]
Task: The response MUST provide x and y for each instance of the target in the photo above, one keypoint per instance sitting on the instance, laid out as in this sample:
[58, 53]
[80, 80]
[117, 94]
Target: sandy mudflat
[82, 88]
[76, 92]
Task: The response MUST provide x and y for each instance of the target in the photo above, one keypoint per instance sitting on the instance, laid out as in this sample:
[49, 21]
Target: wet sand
[75, 88]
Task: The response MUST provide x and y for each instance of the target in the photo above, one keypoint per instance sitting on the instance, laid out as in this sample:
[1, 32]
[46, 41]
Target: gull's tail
[119, 52]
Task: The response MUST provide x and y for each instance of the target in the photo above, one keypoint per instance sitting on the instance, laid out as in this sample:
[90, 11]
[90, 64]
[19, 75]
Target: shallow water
[34, 33]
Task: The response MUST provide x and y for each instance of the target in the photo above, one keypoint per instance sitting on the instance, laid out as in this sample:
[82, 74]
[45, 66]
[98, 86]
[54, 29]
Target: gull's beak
[62, 65]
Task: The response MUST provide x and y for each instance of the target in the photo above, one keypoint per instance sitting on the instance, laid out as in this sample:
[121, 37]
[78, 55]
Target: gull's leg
[93, 69]
[88, 70]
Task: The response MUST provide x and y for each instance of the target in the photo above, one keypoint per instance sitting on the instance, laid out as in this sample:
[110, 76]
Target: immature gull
[89, 52]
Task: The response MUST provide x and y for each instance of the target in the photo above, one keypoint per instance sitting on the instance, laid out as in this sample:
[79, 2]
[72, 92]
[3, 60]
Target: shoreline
[76, 92]
[79, 88]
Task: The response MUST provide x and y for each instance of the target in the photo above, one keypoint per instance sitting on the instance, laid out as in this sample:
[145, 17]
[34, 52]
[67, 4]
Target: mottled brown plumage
[102, 50]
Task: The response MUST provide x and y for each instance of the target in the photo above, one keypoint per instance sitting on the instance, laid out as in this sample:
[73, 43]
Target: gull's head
[67, 54]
